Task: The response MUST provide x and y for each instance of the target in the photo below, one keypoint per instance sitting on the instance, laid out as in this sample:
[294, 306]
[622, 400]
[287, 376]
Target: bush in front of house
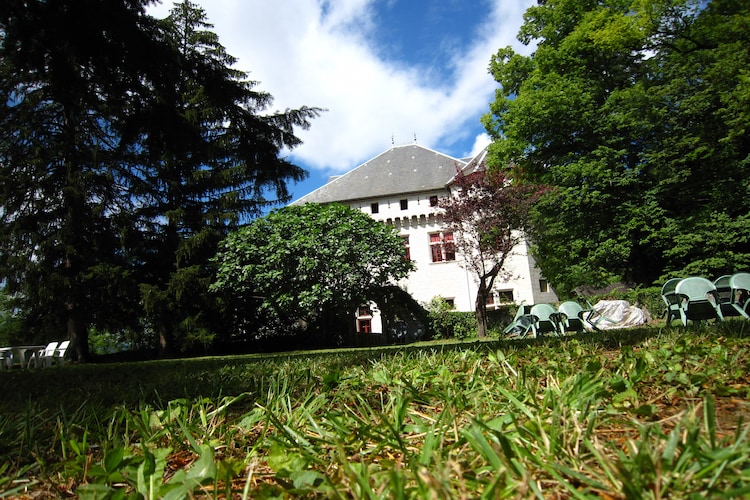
[447, 323]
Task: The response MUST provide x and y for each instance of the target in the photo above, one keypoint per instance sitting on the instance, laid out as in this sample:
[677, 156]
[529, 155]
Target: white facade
[448, 278]
[400, 188]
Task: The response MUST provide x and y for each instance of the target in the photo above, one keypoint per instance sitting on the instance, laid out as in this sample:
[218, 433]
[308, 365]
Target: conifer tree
[211, 162]
[128, 147]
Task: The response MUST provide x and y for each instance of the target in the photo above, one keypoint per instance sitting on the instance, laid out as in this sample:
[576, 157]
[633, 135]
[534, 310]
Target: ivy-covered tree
[488, 213]
[211, 159]
[314, 263]
[638, 112]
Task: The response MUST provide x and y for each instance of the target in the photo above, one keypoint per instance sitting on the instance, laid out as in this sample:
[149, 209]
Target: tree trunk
[166, 340]
[78, 334]
[480, 309]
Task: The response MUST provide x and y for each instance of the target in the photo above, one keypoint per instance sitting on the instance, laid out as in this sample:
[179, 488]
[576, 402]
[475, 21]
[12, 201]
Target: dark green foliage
[129, 148]
[10, 324]
[446, 323]
[210, 162]
[66, 72]
[638, 113]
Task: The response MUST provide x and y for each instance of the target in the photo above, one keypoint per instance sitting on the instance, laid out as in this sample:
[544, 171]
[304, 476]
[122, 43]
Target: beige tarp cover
[617, 314]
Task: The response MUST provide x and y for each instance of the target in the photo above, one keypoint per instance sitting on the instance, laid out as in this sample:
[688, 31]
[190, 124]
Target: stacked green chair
[671, 300]
[739, 285]
[573, 317]
[522, 324]
[698, 300]
[546, 319]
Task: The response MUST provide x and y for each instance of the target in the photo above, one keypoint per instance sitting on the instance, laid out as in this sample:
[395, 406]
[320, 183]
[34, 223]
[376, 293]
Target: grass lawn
[640, 413]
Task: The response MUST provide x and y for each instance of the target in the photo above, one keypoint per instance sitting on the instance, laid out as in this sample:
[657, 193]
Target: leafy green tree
[637, 111]
[314, 263]
[488, 214]
[211, 161]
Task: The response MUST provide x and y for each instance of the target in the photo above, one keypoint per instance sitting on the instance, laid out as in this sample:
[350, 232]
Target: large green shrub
[446, 323]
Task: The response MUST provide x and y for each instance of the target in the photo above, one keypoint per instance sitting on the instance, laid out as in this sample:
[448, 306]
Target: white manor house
[400, 187]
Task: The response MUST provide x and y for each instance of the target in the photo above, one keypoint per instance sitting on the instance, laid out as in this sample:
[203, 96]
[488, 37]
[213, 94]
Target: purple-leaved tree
[488, 212]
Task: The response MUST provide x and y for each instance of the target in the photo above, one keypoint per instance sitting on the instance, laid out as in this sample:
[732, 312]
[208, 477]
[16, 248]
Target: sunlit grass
[645, 413]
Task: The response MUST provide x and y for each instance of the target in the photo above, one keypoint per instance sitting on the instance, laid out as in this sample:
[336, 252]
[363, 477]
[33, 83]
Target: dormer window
[375, 207]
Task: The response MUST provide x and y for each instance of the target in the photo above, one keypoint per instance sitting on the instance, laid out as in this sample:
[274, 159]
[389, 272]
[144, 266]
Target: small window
[491, 299]
[449, 247]
[374, 208]
[451, 303]
[433, 201]
[543, 286]
[364, 311]
[404, 204]
[505, 296]
[365, 326]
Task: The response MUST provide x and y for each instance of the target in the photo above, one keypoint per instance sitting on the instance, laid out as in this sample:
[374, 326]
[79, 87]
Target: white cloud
[481, 141]
[319, 53]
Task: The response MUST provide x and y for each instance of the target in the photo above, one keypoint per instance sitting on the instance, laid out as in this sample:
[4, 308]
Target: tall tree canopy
[125, 144]
[488, 214]
[311, 262]
[210, 161]
[638, 111]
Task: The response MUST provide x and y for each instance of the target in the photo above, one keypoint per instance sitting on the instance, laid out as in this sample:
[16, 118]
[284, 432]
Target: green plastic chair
[671, 300]
[724, 294]
[739, 285]
[723, 288]
[546, 319]
[698, 300]
[573, 317]
[522, 324]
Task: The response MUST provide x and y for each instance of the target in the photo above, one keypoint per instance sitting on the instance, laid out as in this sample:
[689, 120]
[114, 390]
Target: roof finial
[415, 137]
[393, 140]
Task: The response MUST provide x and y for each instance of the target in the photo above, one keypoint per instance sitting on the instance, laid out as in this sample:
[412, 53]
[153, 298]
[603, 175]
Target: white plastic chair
[46, 356]
[61, 349]
[6, 359]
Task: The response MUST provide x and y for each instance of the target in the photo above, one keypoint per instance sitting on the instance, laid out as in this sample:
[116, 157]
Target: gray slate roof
[400, 170]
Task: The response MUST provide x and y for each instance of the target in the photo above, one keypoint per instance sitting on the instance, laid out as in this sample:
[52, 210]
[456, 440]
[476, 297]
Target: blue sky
[386, 70]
